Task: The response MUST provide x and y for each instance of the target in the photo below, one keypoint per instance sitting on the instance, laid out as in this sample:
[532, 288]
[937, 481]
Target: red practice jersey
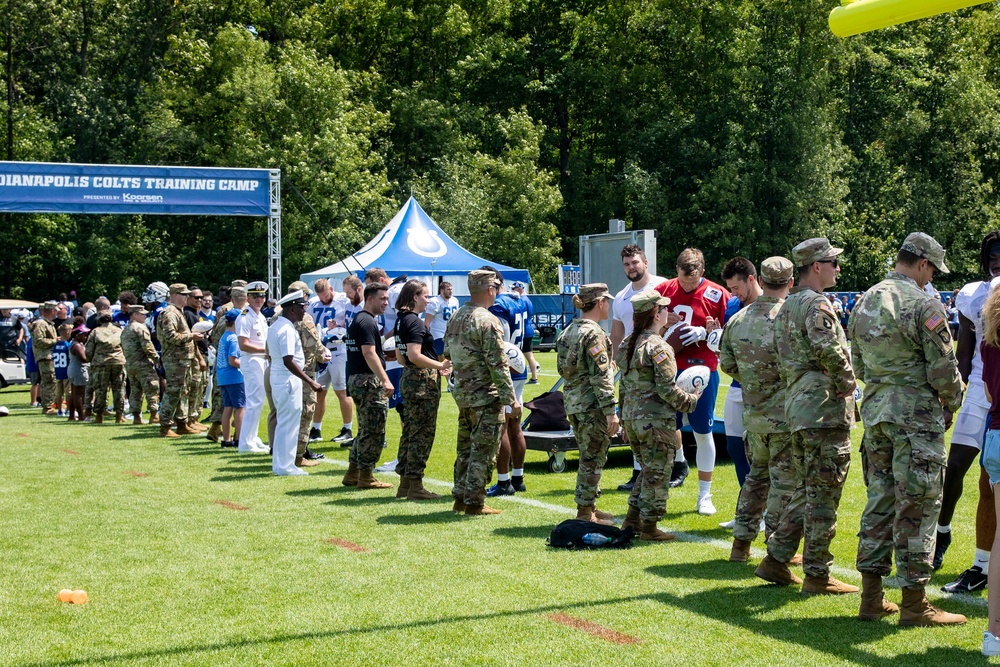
[707, 300]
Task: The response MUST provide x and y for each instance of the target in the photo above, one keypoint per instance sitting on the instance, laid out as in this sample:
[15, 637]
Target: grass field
[198, 556]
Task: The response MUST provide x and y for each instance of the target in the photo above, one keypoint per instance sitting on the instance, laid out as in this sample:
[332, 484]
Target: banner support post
[274, 235]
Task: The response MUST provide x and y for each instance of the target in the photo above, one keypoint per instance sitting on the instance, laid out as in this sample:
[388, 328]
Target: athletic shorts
[526, 344]
[990, 458]
[970, 424]
[703, 417]
[35, 377]
[439, 347]
[395, 374]
[733, 413]
[518, 393]
[233, 395]
[334, 376]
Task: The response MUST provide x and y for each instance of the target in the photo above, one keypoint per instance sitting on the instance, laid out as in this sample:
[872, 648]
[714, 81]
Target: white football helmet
[156, 292]
[515, 358]
[334, 338]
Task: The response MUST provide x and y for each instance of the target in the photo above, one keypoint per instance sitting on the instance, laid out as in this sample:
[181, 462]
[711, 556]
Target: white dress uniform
[286, 391]
[253, 326]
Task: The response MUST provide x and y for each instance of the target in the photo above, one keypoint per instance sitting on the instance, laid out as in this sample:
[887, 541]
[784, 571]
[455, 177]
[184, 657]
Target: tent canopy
[413, 244]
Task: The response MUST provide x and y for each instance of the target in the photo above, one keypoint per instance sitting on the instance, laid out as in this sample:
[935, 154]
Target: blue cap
[232, 314]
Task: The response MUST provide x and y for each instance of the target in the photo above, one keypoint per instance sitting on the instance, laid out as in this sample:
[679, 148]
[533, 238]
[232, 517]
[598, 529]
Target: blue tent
[413, 244]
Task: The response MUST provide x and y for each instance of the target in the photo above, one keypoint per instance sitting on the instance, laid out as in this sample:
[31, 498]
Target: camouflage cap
[238, 291]
[137, 310]
[49, 305]
[813, 250]
[593, 291]
[179, 288]
[299, 285]
[647, 300]
[481, 278]
[238, 283]
[924, 245]
[776, 270]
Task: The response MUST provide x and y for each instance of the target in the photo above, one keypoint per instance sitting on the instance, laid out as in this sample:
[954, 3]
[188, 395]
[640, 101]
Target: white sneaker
[388, 467]
[291, 472]
[991, 644]
[705, 506]
[728, 525]
[763, 527]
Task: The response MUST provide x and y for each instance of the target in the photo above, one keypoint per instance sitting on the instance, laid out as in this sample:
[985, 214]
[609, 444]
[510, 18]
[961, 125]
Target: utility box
[601, 258]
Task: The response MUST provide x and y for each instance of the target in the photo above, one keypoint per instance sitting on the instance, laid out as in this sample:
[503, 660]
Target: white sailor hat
[257, 287]
[296, 298]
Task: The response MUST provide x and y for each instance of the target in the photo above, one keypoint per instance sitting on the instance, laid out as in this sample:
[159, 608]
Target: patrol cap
[296, 298]
[593, 291]
[49, 305]
[924, 245]
[238, 291]
[647, 300]
[137, 310]
[257, 287]
[813, 250]
[776, 271]
[481, 278]
[301, 286]
[179, 288]
[232, 314]
[238, 283]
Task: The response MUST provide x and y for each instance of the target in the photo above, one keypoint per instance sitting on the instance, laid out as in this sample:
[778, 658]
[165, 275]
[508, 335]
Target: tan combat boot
[418, 492]
[458, 506]
[606, 516]
[301, 462]
[632, 519]
[826, 586]
[480, 510]
[740, 552]
[404, 487]
[195, 426]
[119, 418]
[367, 481]
[136, 419]
[351, 478]
[154, 416]
[215, 432]
[99, 417]
[873, 603]
[183, 428]
[774, 571]
[166, 432]
[650, 533]
[586, 513]
[916, 610]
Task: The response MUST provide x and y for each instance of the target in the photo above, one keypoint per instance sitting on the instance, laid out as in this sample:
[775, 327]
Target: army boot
[119, 418]
[650, 533]
[740, 552]
[826, 586]
[194, 426]
[214, 432]
[184, 428]
[586, 513]
[458, 506]
[367, 481]
[632, 519]
[302, 462]
[774, 571]
[404, 487]
[606, 516]
[136, 419]
[99, 417]
[154, 416]
[351, 478]
[418, 492]
[873, 603]
[916, 610]
[167, 432]
[480, 510]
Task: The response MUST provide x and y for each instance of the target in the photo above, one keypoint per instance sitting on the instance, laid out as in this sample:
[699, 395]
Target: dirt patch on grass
[594, 629]
[136, 473]
[22, 435]
[344, 544]
[71, 451]
[228, 504]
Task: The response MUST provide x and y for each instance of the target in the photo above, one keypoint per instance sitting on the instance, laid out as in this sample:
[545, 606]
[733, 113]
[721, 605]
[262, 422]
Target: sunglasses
[258, 296]
[835, 261]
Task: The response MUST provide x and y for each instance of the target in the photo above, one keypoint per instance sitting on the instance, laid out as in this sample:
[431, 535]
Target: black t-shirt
[364, 330]
[411, 329]
[192, 317]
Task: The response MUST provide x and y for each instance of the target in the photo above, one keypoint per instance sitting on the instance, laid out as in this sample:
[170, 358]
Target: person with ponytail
[650, 399]
[584, 362]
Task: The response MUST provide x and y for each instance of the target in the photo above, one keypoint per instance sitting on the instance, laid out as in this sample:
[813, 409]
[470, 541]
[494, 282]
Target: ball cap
[232, 314]
[776, 270]
[296, 298]
[481, 278]
[257, 287]
[813, 250]
[179, 288]
[647, 300]
[301, 286]
[591, 292]
[924, 245]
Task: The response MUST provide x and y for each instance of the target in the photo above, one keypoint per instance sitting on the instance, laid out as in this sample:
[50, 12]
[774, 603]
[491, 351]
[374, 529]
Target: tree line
[739, 127]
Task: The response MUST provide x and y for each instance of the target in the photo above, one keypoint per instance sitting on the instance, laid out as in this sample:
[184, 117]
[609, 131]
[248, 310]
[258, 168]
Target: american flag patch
[934, 322]
[825, 306]
[596, 350]
[660, 358]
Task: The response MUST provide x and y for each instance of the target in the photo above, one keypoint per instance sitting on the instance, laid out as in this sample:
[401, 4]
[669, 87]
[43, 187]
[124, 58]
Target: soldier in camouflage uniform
[903, 353]
[473, 342]
[140, 365]
[747, 353]
[177, 345]
[584, 362]
[815, 364]
[43, 338]
[651, 400]
[238, 299]
[107, 367]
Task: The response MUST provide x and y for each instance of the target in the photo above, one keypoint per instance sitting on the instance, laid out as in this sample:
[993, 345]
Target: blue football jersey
[732, 307]
[513, 315]
[60, 359]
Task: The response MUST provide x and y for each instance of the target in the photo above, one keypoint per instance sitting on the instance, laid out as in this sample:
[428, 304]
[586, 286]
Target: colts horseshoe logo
[425, 242]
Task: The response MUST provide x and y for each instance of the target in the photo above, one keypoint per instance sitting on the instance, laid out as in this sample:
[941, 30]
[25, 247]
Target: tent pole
[274, 235]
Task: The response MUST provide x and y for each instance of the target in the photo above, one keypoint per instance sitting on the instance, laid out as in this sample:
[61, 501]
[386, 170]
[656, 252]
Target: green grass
[175, 578]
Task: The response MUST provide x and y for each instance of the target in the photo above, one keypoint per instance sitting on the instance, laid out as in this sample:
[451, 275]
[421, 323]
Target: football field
[193, 555]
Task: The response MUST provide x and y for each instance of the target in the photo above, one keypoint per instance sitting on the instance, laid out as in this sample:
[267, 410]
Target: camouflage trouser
[373, 408]
[47, 390]
[905, 483]
[421, 396]
[143, 381]
[654, 446]
[822, 457]
[308, 410]
[479, 431]
[196, 391]
[769, 484]
[591, 431]
[174, 406]
[107, 378]
[217, 407]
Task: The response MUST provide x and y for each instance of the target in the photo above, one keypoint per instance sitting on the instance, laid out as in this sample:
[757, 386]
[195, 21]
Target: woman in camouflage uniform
[107, 367]
[650, 400]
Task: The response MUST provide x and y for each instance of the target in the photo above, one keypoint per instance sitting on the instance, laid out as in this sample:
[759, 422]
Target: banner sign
[46, 187]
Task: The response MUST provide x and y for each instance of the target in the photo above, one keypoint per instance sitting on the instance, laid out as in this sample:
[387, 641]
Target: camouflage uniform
[421, 392]
[903, 352]
[747, 353]
[43, 338]
[650, 402]
[140, 366]
[372, 406]
[312, 350]
[474, 342]
[177, 346]
[107, 366]
[814, 363]
[583, 360]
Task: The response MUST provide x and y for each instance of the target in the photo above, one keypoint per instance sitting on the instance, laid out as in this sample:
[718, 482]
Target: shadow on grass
[325, 491]
[241, 478]
[532, 532]
[444, 516]
[365, 500]
[713, 570]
